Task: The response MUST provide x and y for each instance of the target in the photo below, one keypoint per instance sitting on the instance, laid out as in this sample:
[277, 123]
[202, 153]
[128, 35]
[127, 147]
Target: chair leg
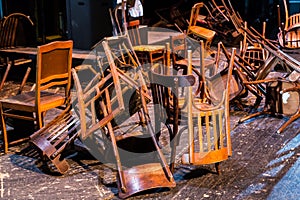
[173, 155]
[218, 168]
[5, 75]
[4, 131]
[24, 80]
[253, 115]
[291, 119]
[40, 119]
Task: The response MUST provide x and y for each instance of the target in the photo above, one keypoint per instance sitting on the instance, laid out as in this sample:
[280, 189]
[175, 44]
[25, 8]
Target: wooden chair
[147, 53]
[11, 31]
[252, 52]
[180, 110]
[114, 109]
[197, 31]
[281, 92]
[54, 138]
[282, 100]
[212, 143]
[53, 69]
[289, 35]
[178, 47]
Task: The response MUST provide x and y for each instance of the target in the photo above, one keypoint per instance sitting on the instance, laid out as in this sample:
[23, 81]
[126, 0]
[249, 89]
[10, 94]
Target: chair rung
[22, 61]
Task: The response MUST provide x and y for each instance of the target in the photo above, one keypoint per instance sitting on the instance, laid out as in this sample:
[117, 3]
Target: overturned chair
[53, 139]
[180, 109]
[113, 112]
[281, 92]
[282, 99]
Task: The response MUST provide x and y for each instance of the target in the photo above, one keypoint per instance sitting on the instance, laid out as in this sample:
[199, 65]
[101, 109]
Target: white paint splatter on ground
[2, 176]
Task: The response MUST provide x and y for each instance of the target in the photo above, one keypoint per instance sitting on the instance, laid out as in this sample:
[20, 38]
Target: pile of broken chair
[110, 116]
[277, 80]
[100, 111]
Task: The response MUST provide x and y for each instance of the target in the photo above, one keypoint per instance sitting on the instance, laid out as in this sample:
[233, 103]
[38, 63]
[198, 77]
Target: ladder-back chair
[180, 110]
[114, 109]
[12, 29]
[53, 69]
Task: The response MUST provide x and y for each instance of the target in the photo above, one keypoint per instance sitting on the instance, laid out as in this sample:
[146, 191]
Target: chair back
[134, 32]
[12, 30]
[53, 67]
[168, 91]
[253, 53]
[178, 46]
[209, 127]
[194, 15]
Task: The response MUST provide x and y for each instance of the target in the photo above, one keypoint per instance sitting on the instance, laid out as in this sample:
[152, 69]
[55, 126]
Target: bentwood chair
[113, 111]
[179, 109]
[11, 35]
[53, 70]
[196, 29]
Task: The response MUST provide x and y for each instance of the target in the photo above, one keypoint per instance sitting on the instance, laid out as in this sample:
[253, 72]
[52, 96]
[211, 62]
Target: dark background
[87, 21]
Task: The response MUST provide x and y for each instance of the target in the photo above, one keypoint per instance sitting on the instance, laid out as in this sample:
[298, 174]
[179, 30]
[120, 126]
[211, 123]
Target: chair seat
[145, 176]
[203, 158]
[148, 48]
[26, 101]
[202, 32]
